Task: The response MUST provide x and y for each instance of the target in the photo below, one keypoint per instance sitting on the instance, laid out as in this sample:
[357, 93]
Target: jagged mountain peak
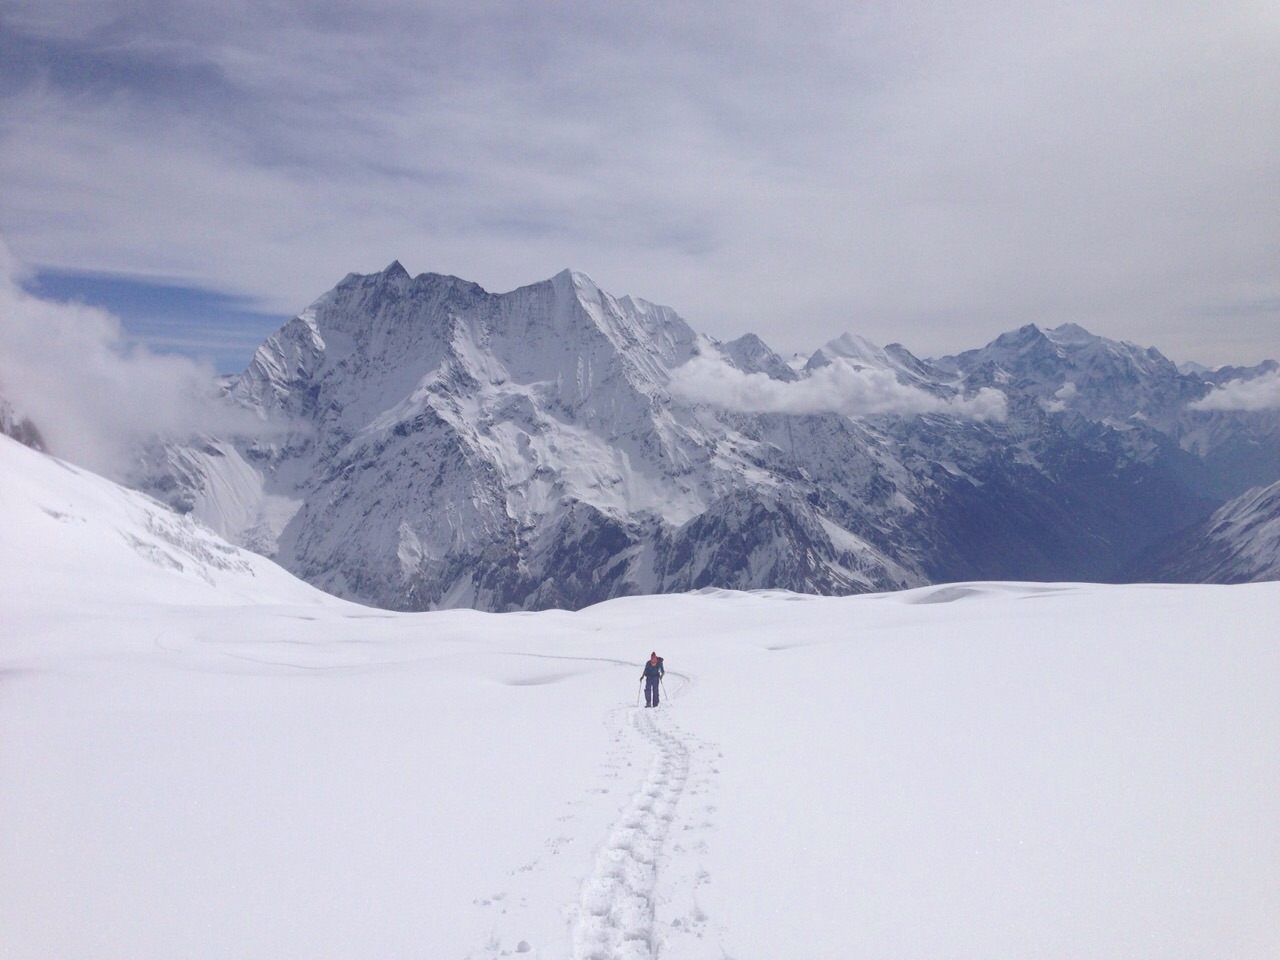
[576, 279]
[864, 354]
[1225, 374]
[1074, 338]
[853, 348]
[1067, 369]
[1027, 335]
[599, 302]
[373, 350]
[1071, 334]
[749, 343]
[447, 446]
[750, 354]
[375, 296]
[1061, 350]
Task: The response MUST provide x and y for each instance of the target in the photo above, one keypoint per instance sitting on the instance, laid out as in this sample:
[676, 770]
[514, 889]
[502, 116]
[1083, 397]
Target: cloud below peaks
[1260, 393]
[837, 387]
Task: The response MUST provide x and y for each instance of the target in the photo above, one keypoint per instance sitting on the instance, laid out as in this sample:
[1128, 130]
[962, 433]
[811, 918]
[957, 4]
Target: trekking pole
[638, 689]
[662, 683]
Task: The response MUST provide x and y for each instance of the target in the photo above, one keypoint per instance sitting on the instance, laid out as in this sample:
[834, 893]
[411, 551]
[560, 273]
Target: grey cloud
[153, 75]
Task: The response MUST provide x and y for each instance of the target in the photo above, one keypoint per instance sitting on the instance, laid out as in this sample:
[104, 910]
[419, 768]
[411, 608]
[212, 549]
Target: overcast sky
[922, 172]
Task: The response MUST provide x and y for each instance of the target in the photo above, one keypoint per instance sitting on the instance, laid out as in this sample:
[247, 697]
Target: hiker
[652, 677]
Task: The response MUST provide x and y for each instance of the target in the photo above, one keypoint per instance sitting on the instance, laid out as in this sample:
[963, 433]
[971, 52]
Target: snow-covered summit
[434, 443]
[430, 443]
[856, 350]
[1104, 380]
[750, 354]
[862, 354]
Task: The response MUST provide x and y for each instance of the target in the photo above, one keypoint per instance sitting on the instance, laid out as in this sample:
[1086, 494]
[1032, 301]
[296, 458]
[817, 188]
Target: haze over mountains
[428, 444]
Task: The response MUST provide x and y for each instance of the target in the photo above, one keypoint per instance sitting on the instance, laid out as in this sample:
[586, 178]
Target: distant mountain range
[428, 444]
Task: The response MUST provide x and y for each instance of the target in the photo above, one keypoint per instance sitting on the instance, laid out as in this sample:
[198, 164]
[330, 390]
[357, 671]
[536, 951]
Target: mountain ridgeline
[428, 444]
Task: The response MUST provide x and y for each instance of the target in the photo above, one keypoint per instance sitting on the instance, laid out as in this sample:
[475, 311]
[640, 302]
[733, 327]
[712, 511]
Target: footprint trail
[617, 906]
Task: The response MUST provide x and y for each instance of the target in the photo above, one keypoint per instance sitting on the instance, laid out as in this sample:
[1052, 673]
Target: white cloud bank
[835, 388]
[1260, 393]
[93, 395]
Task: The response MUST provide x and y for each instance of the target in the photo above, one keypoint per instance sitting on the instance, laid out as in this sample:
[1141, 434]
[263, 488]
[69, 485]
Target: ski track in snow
[617, 906]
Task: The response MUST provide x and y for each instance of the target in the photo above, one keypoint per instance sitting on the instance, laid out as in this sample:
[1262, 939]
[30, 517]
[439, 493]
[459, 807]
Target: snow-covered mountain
[429, 444]
[1239, 543]
[1140, 394]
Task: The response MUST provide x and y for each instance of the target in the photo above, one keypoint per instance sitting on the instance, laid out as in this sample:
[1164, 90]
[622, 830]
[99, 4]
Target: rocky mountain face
[1239, 543]
[19, 427]
[428, 444]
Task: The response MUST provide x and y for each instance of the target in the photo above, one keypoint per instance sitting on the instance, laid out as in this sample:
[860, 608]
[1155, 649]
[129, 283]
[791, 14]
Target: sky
[917, 172]
[95, 393]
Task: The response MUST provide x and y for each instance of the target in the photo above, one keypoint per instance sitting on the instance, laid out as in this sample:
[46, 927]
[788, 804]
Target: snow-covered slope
[429, 444]
[247, 768]
[71, 536]
[1239, 543]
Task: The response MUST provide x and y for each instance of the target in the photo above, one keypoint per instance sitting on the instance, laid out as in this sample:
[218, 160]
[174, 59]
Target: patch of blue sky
[168, 318]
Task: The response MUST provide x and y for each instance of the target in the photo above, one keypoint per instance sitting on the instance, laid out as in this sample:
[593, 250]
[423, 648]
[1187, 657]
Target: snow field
[201, 757]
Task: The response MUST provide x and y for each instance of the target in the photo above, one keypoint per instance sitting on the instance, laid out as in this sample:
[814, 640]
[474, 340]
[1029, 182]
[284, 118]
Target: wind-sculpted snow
[427, 444]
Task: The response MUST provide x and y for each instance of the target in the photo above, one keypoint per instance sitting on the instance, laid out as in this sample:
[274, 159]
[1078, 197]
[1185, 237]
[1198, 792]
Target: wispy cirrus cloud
[837, 387]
